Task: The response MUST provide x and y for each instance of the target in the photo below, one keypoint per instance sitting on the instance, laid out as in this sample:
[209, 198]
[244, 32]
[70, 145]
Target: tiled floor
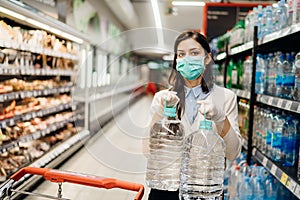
[116, 153]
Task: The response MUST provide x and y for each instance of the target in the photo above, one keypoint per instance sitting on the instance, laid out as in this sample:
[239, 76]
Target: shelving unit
[48, 82]
[281, 40]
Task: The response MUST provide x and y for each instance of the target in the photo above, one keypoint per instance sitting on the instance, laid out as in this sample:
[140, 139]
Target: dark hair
[176, 80]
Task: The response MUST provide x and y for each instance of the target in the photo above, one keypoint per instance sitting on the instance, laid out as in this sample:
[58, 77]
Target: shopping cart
[57, 176]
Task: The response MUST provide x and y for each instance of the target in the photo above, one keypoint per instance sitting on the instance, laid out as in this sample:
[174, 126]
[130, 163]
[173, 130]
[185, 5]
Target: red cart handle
[82, 179]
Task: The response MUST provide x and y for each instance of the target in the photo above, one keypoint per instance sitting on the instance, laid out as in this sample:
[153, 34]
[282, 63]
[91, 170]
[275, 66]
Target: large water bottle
[166, 143]
[246, 190]
[271, 188]
[289, 138]
[271, 71]
[290, 11]
[202, 168]
[258, 21]
[276, 140]
[247, 73]
[258, 189]
[288, 78]
[259, 74]
[268, 21]
[279, 73]
[280, 16]
[296, 93]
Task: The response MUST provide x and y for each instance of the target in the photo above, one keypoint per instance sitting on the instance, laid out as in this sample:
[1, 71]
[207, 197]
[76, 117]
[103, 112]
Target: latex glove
[170, 97]
[213, 112]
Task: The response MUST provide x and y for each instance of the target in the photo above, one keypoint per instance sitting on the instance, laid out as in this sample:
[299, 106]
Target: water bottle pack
[253, 183]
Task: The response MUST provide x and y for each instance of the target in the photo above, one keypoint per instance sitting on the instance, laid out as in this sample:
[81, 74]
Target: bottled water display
[288, 77]
[296, 93]
[166, 142]
[202, 169]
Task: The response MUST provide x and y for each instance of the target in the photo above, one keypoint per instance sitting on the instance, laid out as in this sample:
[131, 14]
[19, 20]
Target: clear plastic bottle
[279, 73]
[271, 74]
[271, 188]
[280, 16]
[258, 189]
[288, 77]
[259, 74]
[202, 168]
[246, 190]
[289, 138]
[268, 21]
[276, 140]
[166, 142]
[247, 73]
[296, 92]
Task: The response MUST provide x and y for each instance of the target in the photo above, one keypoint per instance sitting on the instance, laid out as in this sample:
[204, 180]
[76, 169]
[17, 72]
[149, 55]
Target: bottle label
[269, 137]
[276, 140]
[259, 77]
[234, 77]
[288, 80]
[278, 80]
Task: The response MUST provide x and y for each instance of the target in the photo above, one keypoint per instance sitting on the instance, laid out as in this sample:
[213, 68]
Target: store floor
[115, 152]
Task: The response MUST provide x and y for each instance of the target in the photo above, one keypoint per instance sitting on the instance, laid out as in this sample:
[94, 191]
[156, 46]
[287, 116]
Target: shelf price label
[270, 100]
[288, 105]
[273, 169]
[298, 109]
[264, 161]
[297, 191]
[284, 178]
[291, 184]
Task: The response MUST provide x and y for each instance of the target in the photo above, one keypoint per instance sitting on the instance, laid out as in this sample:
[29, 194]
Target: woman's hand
[170, 97]
[212, 111]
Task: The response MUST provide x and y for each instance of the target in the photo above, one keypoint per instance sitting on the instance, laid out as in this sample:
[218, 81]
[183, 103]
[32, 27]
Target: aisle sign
[218, 18]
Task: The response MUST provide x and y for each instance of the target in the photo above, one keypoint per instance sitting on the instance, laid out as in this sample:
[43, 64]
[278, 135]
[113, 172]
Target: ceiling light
[157, 21]
[188, 3]
[40, 25]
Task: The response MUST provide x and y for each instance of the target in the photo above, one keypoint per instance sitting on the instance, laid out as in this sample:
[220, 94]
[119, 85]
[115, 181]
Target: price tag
[288, 105]
[270, 100]
[4, 124]
[264, 161]
[297, 191]
[284, 178]
[1, 98]
[273, 169]
[1, 71]
[291, 184]
[298, 109]
[11, 122]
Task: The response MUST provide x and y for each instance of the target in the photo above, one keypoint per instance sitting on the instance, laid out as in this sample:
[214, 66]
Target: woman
[194, 89]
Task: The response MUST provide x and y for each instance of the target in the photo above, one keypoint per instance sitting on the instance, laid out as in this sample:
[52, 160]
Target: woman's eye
[195, 53]
[181, 55]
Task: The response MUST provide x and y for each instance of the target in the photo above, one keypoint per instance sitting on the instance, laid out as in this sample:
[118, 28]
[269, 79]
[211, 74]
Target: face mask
[190, 68]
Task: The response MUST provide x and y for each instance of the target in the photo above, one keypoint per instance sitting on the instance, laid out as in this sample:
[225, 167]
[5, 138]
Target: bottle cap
[169, 111]
[206, 125]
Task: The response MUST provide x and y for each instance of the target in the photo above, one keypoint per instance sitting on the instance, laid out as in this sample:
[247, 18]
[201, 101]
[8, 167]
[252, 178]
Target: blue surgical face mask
[190, 67]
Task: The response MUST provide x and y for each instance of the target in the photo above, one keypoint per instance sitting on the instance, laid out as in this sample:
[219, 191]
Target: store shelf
[38, 134]
[295, 28]
[31, 115]
[241, 93]
[284, 104]
[16, 71]
[34, 93]
[287, 181]
[242, 48]
[32, 49]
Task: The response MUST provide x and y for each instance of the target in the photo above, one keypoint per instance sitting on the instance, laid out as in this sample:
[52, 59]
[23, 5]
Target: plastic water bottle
[258, 189]
[276, 140]
[166, 142]
[280, 16]
[245, 190]
[202, 168]
[258, 21]
[279, 73]
[247, 73]
[296, 93]
[259, 74]
[268, 21]
[289, 138]
[271, 188]
[288, 78]
[290, 11]
[271, 73]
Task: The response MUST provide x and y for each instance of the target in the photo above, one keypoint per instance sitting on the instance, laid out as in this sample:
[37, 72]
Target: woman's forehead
[189, 44]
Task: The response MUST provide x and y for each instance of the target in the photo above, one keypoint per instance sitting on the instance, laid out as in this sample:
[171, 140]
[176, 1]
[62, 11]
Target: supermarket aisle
[115, 152]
